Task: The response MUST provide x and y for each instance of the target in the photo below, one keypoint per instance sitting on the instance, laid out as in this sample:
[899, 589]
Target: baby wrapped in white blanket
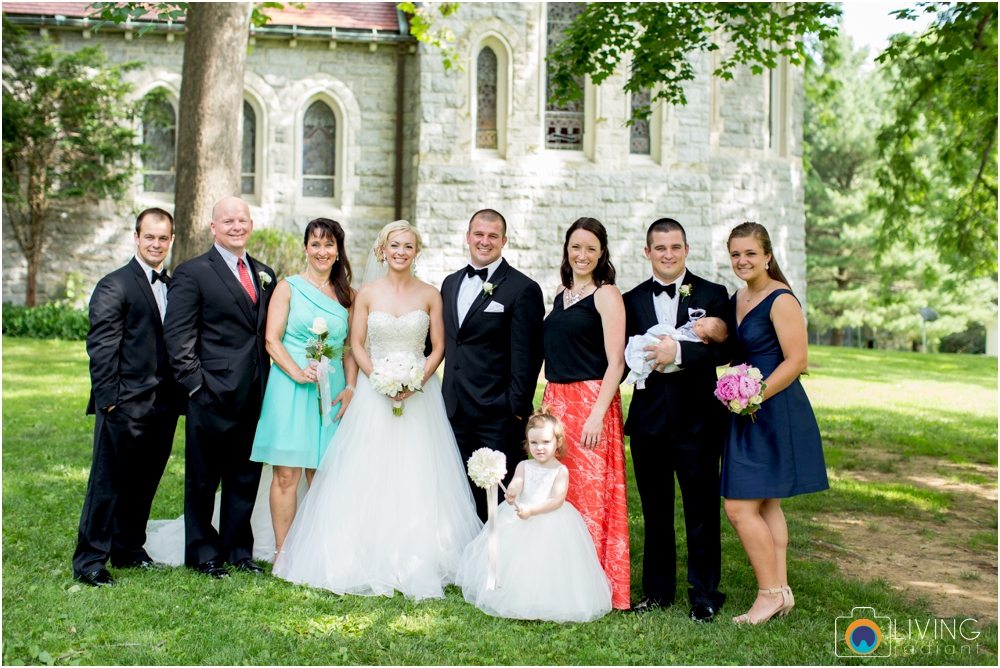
[698, 329]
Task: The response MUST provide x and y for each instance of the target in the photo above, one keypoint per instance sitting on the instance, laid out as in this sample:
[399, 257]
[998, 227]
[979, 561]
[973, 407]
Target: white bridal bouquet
[396, 373]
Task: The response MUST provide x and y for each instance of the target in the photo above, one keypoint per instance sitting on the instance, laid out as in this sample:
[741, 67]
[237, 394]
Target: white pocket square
[494, 307]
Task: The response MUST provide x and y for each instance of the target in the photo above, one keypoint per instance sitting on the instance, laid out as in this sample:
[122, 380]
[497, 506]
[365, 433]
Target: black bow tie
[659, 288]
[160, 276]
[471, 271]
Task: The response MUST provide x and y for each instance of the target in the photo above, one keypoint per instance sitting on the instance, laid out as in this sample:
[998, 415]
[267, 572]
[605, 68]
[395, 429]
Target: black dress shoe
[212, 569]
[702, 612]
[648, 604]
[98, 578]
[247, 566]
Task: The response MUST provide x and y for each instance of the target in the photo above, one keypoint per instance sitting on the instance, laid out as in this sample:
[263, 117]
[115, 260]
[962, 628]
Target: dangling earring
[767, 266]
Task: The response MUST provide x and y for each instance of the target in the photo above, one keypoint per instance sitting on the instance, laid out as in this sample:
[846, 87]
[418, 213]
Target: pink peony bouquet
[741, 389]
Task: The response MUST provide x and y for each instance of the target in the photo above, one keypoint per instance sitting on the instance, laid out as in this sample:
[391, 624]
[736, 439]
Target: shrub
[282, 251]
[971, 341]
[48, 321]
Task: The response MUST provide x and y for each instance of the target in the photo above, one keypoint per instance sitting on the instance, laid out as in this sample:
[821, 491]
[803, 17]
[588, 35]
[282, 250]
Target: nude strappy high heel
[789, 601]
[745, 618]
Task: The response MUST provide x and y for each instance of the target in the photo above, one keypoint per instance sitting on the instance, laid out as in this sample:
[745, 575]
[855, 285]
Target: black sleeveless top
[574, 342]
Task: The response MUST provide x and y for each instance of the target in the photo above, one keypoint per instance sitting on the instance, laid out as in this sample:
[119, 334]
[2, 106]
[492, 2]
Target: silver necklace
[317, 286]
[571, 298]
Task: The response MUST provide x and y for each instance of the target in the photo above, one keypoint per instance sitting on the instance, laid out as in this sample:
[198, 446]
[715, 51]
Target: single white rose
[319, 327]
[754, 372]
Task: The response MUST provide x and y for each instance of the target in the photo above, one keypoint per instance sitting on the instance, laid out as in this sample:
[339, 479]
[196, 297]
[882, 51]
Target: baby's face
[701, 328]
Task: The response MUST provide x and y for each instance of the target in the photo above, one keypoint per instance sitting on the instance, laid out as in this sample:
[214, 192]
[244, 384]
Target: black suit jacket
[215, 333]
[492, 361]
[128, 361]
[680, 403]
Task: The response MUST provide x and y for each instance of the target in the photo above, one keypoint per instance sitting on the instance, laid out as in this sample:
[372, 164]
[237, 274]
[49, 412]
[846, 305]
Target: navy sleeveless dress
[781, 454]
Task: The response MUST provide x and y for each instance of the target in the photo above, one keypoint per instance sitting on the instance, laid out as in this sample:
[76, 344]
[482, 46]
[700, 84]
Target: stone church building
[347, 117]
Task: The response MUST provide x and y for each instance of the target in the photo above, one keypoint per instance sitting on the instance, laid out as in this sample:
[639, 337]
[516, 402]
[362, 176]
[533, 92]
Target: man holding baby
[675, 423]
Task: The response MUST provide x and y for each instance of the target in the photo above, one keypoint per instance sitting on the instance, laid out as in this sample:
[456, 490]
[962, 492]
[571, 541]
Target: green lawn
[901, 405]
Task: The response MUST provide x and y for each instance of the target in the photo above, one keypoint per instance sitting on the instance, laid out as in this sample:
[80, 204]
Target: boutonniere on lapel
[685, 291]
[488, 289]
[265, 279]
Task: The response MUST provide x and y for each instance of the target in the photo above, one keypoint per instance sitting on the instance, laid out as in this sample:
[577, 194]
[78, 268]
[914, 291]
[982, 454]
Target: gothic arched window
[563, 123]
[486, 99]
[248, 168]
[639, 137]
[319, 133]
[159, 137]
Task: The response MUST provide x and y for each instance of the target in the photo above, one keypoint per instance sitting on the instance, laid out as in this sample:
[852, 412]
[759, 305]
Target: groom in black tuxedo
[136, 402]
[493, 348]
[676, 425]
[215, 340]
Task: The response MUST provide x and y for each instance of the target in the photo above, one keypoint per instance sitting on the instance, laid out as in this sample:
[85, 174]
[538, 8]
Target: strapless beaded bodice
[389, 334]
[537, 483]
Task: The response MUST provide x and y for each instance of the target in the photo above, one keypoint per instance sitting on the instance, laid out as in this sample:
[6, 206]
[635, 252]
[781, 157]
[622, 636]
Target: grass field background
[874, 408]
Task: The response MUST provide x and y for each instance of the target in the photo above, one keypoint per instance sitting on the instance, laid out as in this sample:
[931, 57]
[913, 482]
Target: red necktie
[245, 280]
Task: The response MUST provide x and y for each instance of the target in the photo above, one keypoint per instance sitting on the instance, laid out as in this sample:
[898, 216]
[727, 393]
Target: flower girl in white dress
[547, 567]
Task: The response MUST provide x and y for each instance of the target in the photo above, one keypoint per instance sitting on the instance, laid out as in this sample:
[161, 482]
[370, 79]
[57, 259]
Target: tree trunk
[837, 336]
[210, 122]
[31, 289]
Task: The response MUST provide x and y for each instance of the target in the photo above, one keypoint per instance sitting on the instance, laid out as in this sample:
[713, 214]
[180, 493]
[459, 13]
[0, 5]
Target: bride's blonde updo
[389, 230]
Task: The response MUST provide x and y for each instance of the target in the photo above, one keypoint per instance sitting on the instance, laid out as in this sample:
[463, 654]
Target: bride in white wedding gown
[390, 507]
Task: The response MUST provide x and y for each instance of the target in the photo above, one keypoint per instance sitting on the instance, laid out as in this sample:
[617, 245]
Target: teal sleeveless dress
[290, 430]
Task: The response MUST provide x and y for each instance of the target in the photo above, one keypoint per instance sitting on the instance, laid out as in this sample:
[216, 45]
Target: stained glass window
[318, 146]
[639, 143]
[249, 168]
[159, 136]
[486, 99]
[563, 123]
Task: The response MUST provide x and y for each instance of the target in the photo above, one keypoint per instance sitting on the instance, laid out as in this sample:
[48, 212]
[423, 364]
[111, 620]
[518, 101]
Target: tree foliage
[661, 35]
[67, 135]
[842, 116]
[848, 284]
[939, 145]
[422, 21]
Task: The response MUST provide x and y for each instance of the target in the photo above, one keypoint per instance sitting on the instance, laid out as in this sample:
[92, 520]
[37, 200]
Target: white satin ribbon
[323, 385]
[492, 539]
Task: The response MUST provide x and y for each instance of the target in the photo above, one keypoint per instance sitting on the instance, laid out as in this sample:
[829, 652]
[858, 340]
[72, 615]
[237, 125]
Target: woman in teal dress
[291, 434]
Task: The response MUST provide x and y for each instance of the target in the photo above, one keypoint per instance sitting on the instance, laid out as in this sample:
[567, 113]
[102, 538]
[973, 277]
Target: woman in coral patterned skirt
[584, 364]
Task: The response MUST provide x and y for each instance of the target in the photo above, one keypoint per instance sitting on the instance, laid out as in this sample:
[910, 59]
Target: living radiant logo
[866, 634]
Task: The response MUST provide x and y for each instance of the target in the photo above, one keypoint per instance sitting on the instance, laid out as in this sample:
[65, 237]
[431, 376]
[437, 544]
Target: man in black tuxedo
[215, 341]
[136, 404]
[676, 425]
[493, 348]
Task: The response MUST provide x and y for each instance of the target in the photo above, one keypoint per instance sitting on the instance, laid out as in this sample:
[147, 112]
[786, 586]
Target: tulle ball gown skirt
[390, 507]
[547, 569]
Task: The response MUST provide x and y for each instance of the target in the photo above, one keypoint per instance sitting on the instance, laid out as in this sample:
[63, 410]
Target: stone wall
[711, 169]
[280, 82]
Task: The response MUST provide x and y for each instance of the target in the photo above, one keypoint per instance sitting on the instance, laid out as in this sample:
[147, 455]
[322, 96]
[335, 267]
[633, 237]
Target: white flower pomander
[319, 327]
[487, 467]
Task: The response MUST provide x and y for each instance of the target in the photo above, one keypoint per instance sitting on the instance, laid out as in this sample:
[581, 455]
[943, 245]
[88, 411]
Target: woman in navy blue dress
[779, 454]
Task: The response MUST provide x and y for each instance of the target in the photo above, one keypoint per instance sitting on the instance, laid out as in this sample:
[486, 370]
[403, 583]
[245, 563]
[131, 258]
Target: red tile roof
[364, 15]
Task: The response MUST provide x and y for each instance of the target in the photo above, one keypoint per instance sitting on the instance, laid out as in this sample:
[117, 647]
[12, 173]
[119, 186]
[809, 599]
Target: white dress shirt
[231, 262]
[666, 306]
[471, 288]
[159, 288]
